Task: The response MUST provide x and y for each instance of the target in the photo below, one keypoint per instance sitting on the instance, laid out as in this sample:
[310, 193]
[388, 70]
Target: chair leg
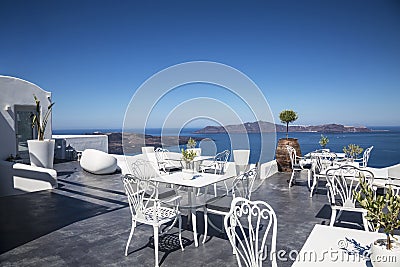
[205, 225]
[333, 217]
[309, 177]
[233, 242]
[180, 231]
[155, 230]
[215, 189]
[130, 237]
[315, 184]
[291, 179]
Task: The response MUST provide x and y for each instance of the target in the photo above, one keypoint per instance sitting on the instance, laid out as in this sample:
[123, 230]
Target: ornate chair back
[365, 158]
[145, 170]
[141, 193]
[250, 226]
[242, 185]
[343, 181]
[292, 155]
[220, 161]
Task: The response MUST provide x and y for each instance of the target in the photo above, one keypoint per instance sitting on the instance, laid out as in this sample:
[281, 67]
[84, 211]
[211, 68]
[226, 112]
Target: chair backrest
[241, 159]
[322, 161]
[222, 156]
[161, 154]
[141, 194]
[343, 181]
[220, 160]
[242, 185]
[250, 225]
[145, 170]
[292, 155]
[365, 158]
[147, 149]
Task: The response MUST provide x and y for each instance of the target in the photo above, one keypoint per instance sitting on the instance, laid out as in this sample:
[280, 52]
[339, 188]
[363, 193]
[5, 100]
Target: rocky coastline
[268, 127]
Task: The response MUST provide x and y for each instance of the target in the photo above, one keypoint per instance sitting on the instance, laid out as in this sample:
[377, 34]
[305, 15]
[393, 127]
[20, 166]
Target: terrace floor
[86, 222]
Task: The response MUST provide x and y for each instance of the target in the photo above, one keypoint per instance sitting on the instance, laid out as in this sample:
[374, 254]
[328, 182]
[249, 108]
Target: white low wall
[18, 178]
[268, 169]
[79, 143]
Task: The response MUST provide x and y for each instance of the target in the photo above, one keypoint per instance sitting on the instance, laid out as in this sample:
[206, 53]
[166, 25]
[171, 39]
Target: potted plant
[323, 141]
[41, 151]
[383, 212]
[287, 116]
[189, 153]
[191, 146]
[352, 151]
[281, 153]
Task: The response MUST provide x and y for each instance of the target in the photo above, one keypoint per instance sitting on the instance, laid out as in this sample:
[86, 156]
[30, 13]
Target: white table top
[197, 158]
[186, 178]
[336, 246]
[338, 154]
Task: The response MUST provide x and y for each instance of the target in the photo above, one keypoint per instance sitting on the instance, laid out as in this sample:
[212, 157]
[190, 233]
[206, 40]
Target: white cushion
[98, 162]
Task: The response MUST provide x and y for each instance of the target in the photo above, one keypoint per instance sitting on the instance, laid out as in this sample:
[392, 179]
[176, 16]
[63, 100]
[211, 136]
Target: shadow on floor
[27, 217]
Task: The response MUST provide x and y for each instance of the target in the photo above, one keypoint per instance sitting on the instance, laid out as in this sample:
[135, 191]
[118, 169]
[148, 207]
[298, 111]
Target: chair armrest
[172, 202]
[176, 198]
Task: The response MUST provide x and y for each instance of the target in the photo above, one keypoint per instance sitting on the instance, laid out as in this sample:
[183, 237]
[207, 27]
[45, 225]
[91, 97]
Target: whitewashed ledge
[18, 178]
[79, 143]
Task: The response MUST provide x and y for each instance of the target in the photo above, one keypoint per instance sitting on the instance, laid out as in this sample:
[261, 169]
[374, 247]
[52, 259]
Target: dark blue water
[386, 143]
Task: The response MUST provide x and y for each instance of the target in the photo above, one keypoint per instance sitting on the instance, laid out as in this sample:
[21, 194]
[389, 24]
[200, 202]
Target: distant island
[268, 127]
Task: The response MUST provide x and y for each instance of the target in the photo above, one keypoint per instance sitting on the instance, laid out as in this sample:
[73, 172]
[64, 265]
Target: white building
[16, 106]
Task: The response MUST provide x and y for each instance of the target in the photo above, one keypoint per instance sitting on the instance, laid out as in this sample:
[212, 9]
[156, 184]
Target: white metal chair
[320, 163]
[364, 160]
[241, 159]
[341, 183]
[241, 187]
[217, 165]
[164, 163]
[146, 208]
[243, 225]
[298, 165]
[147, 170]
[147, 149]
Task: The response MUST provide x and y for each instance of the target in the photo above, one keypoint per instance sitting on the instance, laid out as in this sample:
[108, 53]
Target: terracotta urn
[282, 155]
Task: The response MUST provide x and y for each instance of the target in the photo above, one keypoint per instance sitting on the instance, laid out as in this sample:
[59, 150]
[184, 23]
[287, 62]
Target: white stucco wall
[15, 91]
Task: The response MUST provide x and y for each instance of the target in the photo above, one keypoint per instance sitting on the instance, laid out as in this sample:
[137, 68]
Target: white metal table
[336, 246]
[192, 180]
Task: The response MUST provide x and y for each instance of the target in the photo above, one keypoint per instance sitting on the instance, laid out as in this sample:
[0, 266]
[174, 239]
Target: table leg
[192, 216]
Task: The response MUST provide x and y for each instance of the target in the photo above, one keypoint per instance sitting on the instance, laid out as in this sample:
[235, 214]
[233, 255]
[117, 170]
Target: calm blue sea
[386, 142]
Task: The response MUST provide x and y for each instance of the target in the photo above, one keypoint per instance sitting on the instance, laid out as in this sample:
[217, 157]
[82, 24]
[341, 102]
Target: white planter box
[41, 153]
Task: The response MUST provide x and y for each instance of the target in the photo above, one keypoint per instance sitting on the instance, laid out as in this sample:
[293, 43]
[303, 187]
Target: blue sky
[330, 61]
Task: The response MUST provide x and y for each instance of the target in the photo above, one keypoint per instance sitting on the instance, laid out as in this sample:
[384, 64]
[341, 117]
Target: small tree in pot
[323, 141]
[189, 154]
[383, 212]
[287, 116]
[352, 151]
[281, 153]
